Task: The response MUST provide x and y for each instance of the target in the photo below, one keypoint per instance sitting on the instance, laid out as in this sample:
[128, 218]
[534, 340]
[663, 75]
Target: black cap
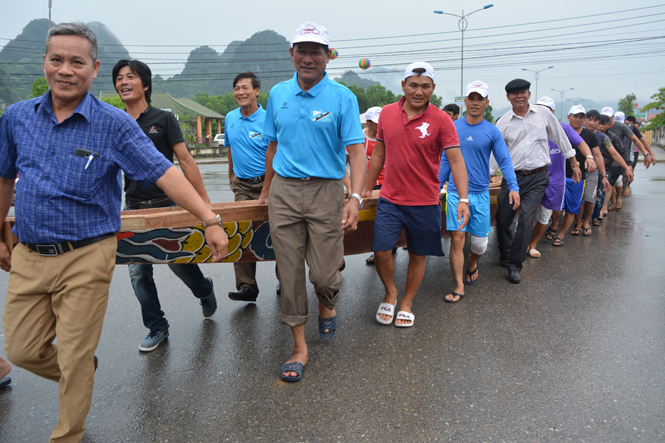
[517, 85]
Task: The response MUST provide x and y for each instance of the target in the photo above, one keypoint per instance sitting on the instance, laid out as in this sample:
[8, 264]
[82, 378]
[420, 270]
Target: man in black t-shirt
[575, 191]
[133, 82]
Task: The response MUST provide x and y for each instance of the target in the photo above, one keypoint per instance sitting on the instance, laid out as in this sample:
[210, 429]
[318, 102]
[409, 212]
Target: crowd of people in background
[293, 155]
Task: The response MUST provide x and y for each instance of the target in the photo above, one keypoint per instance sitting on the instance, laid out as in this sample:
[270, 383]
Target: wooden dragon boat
[173, 235]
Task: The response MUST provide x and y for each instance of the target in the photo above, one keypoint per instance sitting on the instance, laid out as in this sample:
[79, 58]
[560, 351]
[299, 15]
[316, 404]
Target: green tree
[488, 114]
[39, 88]
[627, 104]
[115, 101]
[659, 103]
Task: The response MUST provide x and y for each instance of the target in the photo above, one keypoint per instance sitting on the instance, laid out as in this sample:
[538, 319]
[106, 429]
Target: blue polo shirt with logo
[312, 128]
[244, 135]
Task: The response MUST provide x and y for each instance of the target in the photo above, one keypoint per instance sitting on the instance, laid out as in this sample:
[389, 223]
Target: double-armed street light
[462, 24]
[561, 92]
[537, 77]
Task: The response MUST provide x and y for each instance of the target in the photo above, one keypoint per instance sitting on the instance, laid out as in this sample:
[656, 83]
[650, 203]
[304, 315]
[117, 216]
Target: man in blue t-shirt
[478, 140]
[243, 137]
[310, 119]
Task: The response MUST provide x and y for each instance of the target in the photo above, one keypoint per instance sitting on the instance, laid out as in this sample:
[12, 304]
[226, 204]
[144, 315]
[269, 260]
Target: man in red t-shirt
[411, 136]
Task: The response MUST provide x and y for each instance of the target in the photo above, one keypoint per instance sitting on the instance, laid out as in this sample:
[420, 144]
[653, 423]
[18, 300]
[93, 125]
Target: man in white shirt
[525, 129]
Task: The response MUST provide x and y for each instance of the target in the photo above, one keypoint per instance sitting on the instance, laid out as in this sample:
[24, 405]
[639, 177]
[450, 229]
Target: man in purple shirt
[552, 202]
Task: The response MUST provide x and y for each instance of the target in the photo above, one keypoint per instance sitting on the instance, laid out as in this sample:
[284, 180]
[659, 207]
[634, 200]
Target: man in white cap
[552, 203]
[411, 137]
[525, 129]
[479, 139]
[625, 134]
[309, 120]
[575, 191]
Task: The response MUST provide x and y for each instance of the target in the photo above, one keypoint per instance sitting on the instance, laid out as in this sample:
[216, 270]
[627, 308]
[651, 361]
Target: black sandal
[557, 242]
[455, 294]
[549, 234]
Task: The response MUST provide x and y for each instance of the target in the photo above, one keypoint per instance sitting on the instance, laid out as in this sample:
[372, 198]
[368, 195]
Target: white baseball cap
[429, 71]
[311, 32]
[619, 117]
[547, 101]
[479, 87]
[607, 111]
[372, 114]
[577, 109]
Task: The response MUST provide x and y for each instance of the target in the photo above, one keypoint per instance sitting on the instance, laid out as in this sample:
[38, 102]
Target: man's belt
[61, 248]
[531, 171]
[253, 180]
[156, 203]
[304, 178]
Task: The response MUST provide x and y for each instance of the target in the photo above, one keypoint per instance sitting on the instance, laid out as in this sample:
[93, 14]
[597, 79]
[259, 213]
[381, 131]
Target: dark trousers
[513, 248]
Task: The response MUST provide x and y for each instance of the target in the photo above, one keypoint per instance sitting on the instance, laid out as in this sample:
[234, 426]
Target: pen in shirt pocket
[86, 154]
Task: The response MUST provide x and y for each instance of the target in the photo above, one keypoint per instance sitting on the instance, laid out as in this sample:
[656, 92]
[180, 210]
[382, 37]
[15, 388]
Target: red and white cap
[372, 114]
[547, 101]
[607, 111]
[619, 117]
[429, 71]
[311, 32]
[479, 87]
[577, 109]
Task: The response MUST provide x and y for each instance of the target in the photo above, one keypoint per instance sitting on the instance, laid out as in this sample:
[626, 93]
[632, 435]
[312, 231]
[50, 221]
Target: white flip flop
[403, 315]
[385, 309]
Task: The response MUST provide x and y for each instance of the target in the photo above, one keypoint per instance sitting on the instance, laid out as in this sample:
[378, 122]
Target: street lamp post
[561, 92]
[537, 77]
[462, 24]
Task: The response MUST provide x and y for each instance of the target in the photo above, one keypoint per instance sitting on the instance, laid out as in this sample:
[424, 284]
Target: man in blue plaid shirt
[69, 148]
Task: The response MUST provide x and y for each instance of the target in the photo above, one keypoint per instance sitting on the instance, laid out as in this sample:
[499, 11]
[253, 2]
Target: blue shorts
[574, 192]
[480, 221]
[422, 225]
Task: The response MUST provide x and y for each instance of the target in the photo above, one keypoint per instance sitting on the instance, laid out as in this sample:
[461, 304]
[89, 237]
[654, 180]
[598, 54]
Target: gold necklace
[417, 113]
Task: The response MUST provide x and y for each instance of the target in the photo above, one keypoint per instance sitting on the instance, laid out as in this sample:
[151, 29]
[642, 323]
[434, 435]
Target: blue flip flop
[470, 273]
[294, 366]
[329, 323]
[5, 381]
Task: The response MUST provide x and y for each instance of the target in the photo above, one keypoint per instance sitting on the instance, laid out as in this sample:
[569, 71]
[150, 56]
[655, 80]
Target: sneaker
[153, 340]
[209, 303]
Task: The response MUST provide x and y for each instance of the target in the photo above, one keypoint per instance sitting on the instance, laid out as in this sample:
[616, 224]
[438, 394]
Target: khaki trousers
[63, 297]
[246, 272]
[306, 226]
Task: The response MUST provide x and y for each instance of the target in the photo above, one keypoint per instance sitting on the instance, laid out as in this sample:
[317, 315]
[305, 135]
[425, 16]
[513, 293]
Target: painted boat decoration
[173, 235]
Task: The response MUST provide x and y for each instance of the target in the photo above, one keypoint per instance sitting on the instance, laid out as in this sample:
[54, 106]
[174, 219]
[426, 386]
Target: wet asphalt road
[574, 353]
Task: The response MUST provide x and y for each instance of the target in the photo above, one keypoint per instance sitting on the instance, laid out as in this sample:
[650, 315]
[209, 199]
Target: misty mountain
[265, 53]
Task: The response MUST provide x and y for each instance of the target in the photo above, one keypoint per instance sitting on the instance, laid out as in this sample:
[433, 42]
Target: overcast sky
[616, 54]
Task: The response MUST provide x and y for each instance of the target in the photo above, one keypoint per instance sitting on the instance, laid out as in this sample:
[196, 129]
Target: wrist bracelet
[575, 165]
[213, 221]
[589, 156]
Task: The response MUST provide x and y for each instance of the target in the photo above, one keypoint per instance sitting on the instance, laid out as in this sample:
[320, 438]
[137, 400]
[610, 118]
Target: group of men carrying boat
[292, 156]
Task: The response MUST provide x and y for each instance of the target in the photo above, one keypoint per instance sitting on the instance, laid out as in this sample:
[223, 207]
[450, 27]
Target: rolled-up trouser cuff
[293, 320]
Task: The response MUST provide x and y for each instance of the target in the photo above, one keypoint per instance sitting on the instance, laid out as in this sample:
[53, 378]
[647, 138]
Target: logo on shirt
[285, 105]
[470, 139]
[255, 135]
[423, 129]
[153, 131]
[319, 116]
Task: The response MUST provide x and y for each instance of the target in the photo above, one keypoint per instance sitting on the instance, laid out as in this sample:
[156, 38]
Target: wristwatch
[646, 154]
[361, 202]
[464, 200]
[576, 165]
[590, 156]
[213, 221]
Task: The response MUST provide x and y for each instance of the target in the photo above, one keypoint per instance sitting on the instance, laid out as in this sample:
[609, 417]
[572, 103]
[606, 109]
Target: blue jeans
[600, 198]
[146, 291]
